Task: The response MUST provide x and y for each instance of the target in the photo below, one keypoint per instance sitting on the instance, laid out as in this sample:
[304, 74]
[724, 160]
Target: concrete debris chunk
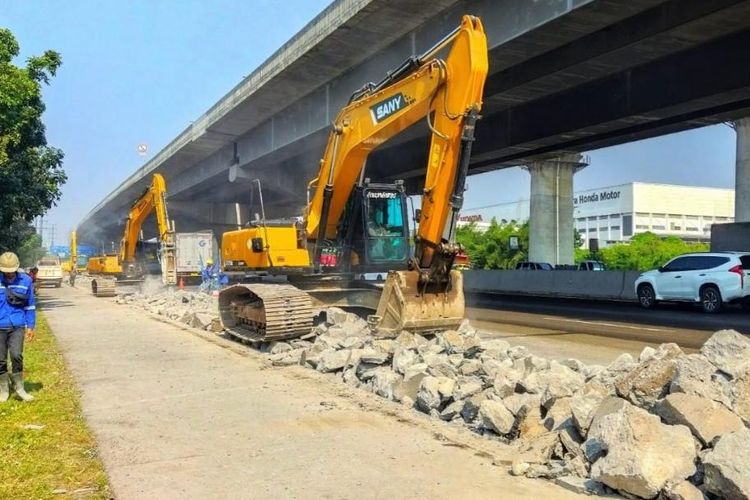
[385, 383]
[494, 348]
[516, 402]
[434, 392]
[683, 490]
[649, 381]
[332, 360]
[374, 357]
[729, 351]
[582, 408]
[470, 367]
[496, 417]
[518, 352]
[470, 409]
[492, 367]
[557, 382]
[403, 358]
[639, 455]
[529, 422]
[647, 353]
[705, 418]
[335, 316]
[696, 375]
[453, 409]
[467, 387]
[453, 342]
[409, 386]
[574, 365]
[726, 466]
[279, 347]
[741, 396]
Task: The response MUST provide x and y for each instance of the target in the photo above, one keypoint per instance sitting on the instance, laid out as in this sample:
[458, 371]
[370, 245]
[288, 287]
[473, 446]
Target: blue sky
[139, 71]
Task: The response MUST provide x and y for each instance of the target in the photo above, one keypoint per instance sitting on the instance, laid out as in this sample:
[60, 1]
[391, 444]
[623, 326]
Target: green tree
[644, 251]
[31, 173]
[490, 249]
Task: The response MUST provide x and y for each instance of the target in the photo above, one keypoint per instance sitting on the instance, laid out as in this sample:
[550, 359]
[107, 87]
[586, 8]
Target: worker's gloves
[18, 387]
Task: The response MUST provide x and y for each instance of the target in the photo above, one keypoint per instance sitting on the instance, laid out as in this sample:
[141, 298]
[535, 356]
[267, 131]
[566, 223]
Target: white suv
[709, 278]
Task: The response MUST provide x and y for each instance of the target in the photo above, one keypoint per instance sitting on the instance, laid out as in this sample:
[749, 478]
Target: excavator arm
[447, 92]
[152, 200]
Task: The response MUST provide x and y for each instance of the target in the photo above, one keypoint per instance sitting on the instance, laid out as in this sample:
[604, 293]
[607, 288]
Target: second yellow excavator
[352, 225]
[124, 267]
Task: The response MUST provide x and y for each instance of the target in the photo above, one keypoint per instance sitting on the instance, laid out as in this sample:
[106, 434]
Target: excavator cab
[377, 234]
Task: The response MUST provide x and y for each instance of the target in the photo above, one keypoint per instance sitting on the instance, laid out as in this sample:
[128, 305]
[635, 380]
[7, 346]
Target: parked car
[711, 279]
[50, 271]
[591, 265]
[535, 266]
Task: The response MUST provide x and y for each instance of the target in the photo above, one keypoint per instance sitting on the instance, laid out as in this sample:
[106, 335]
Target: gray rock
[726, 466]
[557, 382]
[332, 360]
[404, 358]
[494, 349]
[574, 365]
[279, 347]
[452, 410]
[434, 392]
[385, 383]
[683, 490]
[470, 409]
[374, 357]
[518, 352]
[729, 351]
[492, 367]
[705, 418]
[696, 375]
[496, 417]
[740, 391]
[467, 387]
[470, 367]
[647, 353]
[641, 455]
[516, 402]
[649, 381]
[582, 408]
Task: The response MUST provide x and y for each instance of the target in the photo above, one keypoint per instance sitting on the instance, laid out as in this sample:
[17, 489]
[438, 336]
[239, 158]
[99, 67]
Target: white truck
[193, 250]
[50, 271]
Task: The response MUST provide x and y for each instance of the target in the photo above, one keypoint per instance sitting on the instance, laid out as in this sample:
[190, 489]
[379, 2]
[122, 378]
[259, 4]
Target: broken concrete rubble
[564, 418]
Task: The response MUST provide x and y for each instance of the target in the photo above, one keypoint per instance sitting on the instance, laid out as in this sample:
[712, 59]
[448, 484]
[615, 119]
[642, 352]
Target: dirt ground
[182, 414]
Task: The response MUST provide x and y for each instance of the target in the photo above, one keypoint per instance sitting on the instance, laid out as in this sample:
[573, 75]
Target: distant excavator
[123, 267]
[352, 225]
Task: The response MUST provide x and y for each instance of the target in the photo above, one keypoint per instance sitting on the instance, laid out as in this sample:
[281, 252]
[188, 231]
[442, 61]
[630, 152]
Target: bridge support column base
[742, 171]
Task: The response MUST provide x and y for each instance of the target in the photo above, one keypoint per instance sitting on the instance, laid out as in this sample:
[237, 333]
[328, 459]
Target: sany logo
[386, 108]
[202, 243]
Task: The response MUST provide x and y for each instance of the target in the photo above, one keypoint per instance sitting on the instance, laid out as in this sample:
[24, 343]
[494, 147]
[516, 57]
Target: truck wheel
[710, 299]
[646, 296]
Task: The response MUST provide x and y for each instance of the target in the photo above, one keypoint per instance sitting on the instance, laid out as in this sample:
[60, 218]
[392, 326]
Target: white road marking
[616, 325]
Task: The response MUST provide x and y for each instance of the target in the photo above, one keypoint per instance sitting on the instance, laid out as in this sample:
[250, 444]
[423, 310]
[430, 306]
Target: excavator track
[103, 287]
[265, 312]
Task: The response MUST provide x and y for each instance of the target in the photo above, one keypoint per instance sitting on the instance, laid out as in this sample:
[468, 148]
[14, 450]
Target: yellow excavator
[124, 267]
[352, 225]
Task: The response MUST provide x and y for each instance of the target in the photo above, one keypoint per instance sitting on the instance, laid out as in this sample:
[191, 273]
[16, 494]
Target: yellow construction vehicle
[124, 267]
[352, 225]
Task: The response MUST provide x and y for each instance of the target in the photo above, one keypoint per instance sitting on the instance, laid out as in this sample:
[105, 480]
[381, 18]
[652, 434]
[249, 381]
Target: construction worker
[17, 317]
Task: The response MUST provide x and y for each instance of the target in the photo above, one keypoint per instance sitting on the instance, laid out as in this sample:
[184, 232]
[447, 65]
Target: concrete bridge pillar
[551, 211]
[742, 171]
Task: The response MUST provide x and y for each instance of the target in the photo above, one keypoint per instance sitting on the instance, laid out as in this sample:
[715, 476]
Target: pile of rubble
[195, 309]
[667, 423]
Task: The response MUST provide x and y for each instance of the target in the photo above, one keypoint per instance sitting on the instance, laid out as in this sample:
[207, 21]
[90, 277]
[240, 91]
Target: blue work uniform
[17, 312]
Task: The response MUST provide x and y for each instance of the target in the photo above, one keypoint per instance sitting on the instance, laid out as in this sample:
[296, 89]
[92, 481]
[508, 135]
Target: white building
[616, 213]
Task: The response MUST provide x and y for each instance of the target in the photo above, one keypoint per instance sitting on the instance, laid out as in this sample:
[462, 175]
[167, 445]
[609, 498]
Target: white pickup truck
[50, 271]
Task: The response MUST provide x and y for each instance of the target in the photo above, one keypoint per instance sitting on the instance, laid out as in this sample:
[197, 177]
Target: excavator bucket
[403, 306]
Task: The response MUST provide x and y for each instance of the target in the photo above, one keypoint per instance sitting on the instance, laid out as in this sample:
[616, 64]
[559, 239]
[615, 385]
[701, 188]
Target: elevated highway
[565, 75]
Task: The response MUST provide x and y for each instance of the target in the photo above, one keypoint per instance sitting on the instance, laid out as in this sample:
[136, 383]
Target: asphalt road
[681, 323]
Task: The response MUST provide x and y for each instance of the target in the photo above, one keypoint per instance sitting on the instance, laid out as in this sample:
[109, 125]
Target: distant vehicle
[711, 279]
[591, 265]
[535, 266]
[50, 271]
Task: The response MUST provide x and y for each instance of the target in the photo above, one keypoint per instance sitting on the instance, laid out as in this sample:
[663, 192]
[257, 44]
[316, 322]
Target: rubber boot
[18, 386]
[4, 388]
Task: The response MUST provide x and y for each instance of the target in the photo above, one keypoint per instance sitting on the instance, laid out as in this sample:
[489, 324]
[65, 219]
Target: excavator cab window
[386, 231]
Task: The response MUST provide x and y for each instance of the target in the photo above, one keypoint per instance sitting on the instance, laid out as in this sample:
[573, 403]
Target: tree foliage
[490, 249]
[644, 251]
[31, 173]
